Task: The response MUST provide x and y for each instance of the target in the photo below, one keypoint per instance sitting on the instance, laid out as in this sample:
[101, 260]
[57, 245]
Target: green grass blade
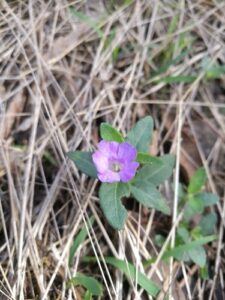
[170, 63]
[87, 20]
[177, 79]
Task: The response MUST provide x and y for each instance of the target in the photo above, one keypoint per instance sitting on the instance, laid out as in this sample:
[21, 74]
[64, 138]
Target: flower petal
[126, 152]
[110, 152]
[100, 161]
[128, 171]
[109, 149]
[104, 148]
[109, 176]
[114, 147]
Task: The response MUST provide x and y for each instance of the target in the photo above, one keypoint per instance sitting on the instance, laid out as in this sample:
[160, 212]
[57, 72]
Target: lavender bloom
[115, 162]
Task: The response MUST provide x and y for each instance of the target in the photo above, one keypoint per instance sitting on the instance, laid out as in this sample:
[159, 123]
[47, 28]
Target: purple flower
[115, 162]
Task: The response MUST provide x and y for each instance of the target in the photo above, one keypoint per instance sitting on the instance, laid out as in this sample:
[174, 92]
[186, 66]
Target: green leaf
[127, 268]
[196, 233]
[80, 238]
[147, 194]
[188, 212]
[182, 250]
[197, 181]
[208, 223]
[179, 250]
[168, 159]
[181, 256]
[182, 237]
[109, 133]
[196, 204]
[110, 201]
[208, 199]
[141, 134]
[87, 296]
[84, 162]
[215, 72]
[155, 173]
[90, 283]
[204, 272]
[131, 272]
[183, 233]
[145, 158]
[198, 256]
[159, 240]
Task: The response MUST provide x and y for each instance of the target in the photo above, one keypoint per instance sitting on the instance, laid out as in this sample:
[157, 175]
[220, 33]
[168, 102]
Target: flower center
[115, 166]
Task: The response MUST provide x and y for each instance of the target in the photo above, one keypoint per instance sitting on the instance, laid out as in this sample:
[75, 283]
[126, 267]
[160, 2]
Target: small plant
[125, 168]
[197, 225]
[196, 202]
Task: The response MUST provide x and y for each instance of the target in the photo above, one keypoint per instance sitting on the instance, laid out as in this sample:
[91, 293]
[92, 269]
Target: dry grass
[61, 75]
